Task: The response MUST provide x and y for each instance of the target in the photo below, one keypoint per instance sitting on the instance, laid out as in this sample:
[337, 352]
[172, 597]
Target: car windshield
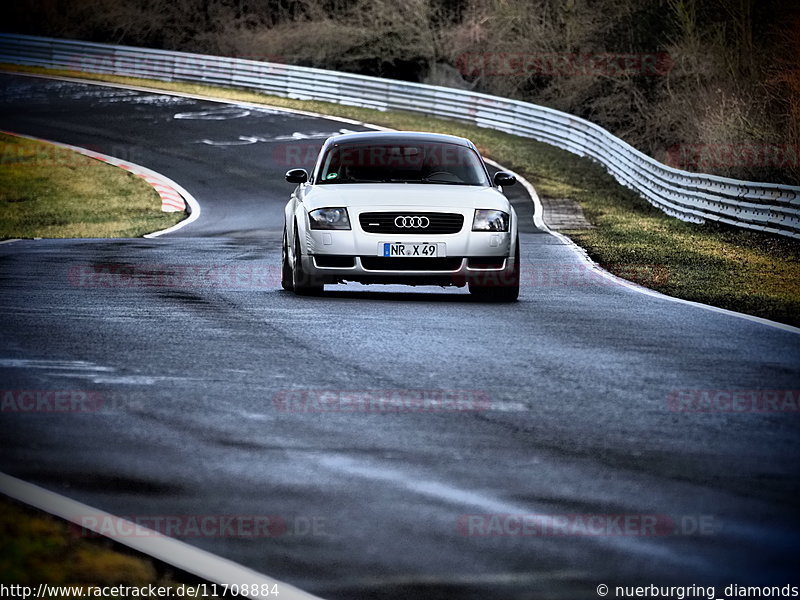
[403, 162]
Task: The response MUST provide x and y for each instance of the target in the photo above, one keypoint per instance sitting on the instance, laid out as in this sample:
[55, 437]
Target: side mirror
[502, 178]
[296, 176]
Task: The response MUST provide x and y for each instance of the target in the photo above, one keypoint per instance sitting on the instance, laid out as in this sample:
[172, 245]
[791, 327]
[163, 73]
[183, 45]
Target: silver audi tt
[401, 207]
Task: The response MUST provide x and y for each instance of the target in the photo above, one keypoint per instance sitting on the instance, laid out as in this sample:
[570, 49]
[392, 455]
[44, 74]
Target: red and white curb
[174, 198]
[180, 555]
[171, 200]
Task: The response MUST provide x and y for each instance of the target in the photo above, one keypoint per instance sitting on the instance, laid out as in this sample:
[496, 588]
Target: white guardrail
[687, 196]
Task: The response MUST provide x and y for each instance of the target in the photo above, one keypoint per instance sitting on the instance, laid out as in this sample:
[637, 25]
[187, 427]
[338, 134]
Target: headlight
[329, 218]
[490, 220]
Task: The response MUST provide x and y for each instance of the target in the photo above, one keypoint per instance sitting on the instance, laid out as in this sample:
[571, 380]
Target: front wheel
[286, 267]
[303, 283]
[506, 290]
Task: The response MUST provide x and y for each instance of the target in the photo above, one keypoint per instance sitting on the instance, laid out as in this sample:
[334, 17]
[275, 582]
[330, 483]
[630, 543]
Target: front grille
[438, 223]
[379, 263]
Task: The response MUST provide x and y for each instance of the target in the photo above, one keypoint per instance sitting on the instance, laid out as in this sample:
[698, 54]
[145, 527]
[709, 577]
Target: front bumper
[339, 256]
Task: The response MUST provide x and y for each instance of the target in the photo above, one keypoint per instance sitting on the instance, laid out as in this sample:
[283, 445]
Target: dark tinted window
[402, 162]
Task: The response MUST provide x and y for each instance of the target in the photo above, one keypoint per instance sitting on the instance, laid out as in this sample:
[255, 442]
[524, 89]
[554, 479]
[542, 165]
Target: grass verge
[38, 548]
[741, 270]
[52, 192]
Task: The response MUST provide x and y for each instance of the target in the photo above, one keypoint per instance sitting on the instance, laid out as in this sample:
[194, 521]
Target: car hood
[369, 195]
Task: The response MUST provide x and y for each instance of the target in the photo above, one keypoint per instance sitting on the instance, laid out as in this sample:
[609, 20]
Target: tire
[286, 269]
[502, 292]
[301, 281]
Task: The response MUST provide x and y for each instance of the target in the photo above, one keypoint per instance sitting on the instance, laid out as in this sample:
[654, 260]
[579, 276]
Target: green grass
[52, 192]
[747, 271]
[37, 548]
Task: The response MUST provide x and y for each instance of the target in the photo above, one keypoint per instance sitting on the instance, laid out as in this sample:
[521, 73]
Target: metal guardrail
[688, 196]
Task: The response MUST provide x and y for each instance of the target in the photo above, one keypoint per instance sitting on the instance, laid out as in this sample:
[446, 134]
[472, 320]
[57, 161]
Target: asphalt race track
[195, 353]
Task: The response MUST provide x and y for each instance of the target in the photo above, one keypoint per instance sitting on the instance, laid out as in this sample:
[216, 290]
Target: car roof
[399, 136]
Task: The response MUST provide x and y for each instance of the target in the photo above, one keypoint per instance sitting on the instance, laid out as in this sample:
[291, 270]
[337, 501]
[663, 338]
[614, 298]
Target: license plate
[406, 250]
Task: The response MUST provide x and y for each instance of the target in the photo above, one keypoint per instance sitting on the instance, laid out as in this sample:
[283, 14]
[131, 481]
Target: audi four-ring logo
[412, 222]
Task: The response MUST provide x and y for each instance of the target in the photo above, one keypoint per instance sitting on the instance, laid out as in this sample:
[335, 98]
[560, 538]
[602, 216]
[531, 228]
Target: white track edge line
[538, 219]
[169, 550]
